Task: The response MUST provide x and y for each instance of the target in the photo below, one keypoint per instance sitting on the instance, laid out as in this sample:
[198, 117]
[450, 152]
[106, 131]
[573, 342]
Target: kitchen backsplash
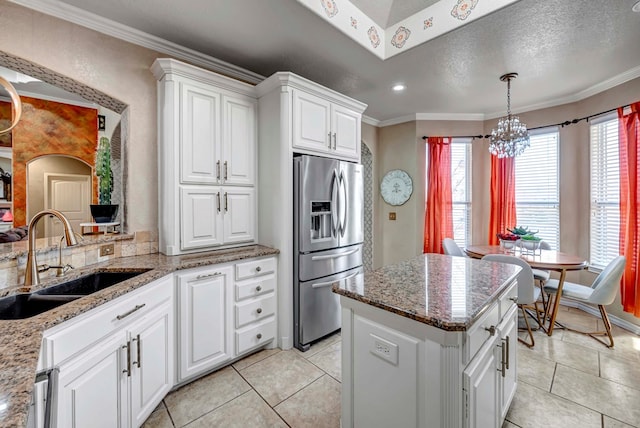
[14, 257]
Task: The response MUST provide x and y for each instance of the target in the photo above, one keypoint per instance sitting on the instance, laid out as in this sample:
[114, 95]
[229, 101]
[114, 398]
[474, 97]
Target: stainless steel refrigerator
[328, 235]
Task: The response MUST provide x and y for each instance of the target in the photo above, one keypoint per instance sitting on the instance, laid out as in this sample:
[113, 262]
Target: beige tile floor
[567, 380]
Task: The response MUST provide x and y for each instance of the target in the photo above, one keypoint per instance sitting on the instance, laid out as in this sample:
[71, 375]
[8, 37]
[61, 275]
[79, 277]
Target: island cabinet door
[508, 328]
[481, 389]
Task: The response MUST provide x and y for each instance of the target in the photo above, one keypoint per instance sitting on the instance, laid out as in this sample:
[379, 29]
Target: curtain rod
[561, 124]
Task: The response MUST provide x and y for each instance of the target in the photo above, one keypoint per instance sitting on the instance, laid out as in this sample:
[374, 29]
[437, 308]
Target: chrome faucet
[31, 274]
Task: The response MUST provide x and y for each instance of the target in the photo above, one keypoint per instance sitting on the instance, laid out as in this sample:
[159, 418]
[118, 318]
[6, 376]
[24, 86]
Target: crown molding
[370, 121]
[114, 29]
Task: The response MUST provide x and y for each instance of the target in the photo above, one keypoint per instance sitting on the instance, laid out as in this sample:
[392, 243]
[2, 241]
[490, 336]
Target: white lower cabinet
[205, 326]
[400, 372]
[116, 362]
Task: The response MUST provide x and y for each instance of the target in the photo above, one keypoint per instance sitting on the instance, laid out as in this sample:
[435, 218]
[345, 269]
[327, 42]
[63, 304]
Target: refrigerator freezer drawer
[323, 263]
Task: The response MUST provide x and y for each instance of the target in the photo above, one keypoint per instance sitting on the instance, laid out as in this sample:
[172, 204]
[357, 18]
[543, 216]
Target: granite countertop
[21, 339]
[442, 291]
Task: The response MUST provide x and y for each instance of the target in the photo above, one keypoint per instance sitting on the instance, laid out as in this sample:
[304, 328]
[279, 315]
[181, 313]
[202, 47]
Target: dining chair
[602, 292]
[451, 248]
[528, 293]
[542, 275]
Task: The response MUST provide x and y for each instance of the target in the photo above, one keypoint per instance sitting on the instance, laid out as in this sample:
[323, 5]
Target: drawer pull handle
[259, 335]
[259, 288]
[491, 330]
[513, 299]
[208, 275]
[258, 269]
[126, 314]
[259, 310]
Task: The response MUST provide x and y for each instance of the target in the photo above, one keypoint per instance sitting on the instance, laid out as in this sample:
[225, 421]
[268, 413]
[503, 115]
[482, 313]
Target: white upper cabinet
[207, 159]
[325, 127]
[239, 141]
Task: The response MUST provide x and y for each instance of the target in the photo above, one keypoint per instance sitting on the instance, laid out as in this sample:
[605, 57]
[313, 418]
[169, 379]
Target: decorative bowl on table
[530, 243]
[508, 241]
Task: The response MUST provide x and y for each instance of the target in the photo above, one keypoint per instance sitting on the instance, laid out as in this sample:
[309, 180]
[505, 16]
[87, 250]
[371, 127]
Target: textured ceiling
[561, 49]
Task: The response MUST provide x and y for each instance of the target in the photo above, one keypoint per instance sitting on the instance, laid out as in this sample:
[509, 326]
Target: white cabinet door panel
[200, 135]
[205, 328]
[92, 387]
[311, 122]
[346, 131]
[152, 362]
[509, 335]
[481, 387]
[201, 219]
[239, 215]
[238, 150]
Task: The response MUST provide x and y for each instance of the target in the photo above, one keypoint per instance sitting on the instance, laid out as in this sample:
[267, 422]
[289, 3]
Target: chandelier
[510, 138]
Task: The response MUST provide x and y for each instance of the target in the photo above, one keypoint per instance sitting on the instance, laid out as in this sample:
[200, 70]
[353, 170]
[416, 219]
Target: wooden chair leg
[607, 327]
[526, 321]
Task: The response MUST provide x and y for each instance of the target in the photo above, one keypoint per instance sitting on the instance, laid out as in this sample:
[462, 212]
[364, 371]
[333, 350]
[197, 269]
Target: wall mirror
[49, 159]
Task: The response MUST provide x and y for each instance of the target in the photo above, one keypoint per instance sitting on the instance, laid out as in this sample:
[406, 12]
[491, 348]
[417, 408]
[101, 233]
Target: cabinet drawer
[255, 287]
[255, 335]
[508, 299]
[479, 331]
[255, 267]
[71, 337]
[255, 310]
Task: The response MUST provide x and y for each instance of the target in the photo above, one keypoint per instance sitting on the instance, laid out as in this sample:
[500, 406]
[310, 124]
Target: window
[537, 194]
[605, 192]
[461, 190]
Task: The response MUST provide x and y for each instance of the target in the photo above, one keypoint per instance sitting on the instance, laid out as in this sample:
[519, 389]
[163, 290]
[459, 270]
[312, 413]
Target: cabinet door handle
[128, 369]
[514, 299]
[503, 365]
[225, 170]
[259, 310]
[218, 195]
[218, 170]
[329, 134]
[208, 275]
[491, 330]
[126, 314]
[506, 339]
[259, 335]
[226, 202]
[335, 142]
[259, 288]
[138, 346]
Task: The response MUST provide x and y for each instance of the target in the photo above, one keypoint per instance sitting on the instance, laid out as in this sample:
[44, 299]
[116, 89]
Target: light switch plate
[107, 250]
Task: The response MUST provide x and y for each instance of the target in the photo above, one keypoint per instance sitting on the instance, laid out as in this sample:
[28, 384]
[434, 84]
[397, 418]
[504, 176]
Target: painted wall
[401, 146]
[115, 67]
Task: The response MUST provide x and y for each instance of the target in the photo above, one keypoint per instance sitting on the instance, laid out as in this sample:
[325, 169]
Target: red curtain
[503, 197]
[629, 132]
[438, 222]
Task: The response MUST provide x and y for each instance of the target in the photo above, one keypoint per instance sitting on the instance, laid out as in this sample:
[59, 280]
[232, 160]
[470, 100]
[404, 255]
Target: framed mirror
[50, 156]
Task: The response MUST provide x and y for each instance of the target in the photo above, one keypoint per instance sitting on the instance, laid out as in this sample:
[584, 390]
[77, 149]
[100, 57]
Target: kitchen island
[429, 342]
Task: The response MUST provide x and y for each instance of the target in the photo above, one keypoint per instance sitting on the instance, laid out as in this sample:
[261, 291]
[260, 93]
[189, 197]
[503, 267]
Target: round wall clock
[396, 187]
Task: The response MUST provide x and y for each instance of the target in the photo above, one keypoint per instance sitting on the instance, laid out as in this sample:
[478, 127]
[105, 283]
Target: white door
[200, 135]
[346, 128]
[481, 387]
[152, 350]
[509, 336]
[69, 194]
[200, 217]
[311, 126]
[204, 317]
[92, 388]
[239, 215]
[239, 141]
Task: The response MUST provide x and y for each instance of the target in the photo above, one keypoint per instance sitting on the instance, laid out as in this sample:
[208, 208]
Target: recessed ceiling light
[399, 87]
[636, 7]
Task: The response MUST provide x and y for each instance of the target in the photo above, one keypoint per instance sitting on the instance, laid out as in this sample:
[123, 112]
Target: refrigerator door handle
[344, 206]
[322, 284]
[335, 204]
[334, 256]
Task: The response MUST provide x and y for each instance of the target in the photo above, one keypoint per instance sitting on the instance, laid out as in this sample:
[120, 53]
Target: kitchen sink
[26, 305]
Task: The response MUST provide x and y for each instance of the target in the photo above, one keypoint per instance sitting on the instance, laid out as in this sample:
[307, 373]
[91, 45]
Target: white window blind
[605, 193]
[537, 194]
[461, 190]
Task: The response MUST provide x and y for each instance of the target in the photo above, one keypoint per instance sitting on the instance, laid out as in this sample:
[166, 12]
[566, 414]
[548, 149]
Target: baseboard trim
[595, 312]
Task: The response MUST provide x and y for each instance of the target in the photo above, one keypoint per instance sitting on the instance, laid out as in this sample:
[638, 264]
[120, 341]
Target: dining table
[539, 259]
